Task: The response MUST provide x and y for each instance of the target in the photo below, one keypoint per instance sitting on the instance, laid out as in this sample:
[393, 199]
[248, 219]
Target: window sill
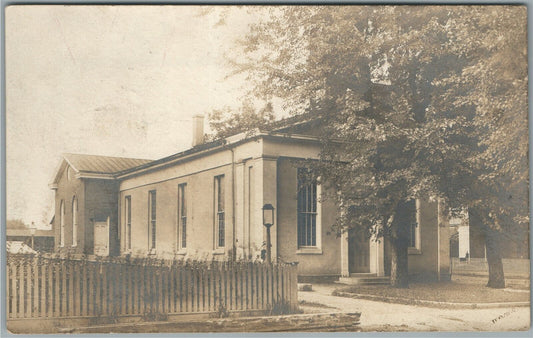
[152, 252]
[219, 251]
[414, 251]
[181, 252]
[309, 251]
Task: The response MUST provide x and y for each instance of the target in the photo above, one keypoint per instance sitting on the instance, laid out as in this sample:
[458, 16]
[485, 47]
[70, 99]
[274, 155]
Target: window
[152, 219]
[62, 224]
[182, 216]
[307, 210]
[127, 238]
[220, 226]
[74, 221]
[411, 218]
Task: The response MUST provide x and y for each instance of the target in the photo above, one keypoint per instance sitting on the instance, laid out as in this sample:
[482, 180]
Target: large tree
[494, 84]
[402, 114]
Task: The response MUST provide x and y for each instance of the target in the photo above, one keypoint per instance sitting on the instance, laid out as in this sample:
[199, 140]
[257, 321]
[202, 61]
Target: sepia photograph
[283, 168]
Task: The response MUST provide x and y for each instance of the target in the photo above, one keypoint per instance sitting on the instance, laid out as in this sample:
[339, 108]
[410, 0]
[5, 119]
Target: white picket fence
[40, 287]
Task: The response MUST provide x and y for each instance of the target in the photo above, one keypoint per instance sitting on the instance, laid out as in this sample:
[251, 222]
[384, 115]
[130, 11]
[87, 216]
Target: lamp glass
[268, 214]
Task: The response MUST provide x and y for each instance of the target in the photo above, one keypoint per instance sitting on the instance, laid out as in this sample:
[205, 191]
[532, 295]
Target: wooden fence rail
[40, 287]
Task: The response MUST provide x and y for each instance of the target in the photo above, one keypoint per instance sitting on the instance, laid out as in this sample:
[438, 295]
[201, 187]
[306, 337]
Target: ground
[462, 289]
[380, 316]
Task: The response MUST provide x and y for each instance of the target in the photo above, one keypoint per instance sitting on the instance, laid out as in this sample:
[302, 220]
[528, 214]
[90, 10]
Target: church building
[206, 203]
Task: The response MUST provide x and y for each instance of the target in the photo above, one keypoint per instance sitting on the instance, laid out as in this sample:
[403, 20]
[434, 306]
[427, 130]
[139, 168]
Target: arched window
[74, 221]
[62, 224]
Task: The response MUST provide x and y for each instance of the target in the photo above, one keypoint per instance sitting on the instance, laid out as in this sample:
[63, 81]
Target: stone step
[364, 280]
[363, 274]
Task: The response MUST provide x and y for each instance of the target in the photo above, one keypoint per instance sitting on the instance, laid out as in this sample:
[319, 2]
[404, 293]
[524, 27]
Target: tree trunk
[492, 240]
[399, 272]
[494, 259]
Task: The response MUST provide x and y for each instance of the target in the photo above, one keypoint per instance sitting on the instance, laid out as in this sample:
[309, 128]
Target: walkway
[378, 316]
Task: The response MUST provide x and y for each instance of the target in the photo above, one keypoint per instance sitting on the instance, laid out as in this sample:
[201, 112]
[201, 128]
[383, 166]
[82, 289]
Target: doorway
[358, 251]
[101, 238]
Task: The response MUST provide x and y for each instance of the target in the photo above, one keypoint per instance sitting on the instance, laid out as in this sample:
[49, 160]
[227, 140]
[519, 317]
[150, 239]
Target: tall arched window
[62, 224]
[74, 221]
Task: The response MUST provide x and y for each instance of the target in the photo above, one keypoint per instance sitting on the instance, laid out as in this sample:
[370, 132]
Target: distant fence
[512, 266]
[40, 287]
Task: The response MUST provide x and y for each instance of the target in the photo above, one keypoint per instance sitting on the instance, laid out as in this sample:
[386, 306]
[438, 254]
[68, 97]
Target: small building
[206, 202]
[36, 239]
[86, 199]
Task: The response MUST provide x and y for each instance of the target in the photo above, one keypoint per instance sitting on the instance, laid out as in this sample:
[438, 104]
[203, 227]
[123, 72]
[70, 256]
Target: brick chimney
[197, 129]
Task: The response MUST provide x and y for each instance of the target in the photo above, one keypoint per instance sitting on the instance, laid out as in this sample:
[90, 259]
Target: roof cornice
[230, 142]
[83, 174]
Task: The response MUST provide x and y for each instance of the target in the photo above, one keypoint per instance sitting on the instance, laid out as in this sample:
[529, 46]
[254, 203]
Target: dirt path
[378, 316]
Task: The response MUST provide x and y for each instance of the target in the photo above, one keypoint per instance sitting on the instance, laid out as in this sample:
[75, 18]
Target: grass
[461, 289]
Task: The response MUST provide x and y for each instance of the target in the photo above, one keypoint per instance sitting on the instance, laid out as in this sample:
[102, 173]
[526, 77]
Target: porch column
[380, 257]
[376, 256]
[444, 234]
[240, 239]
[345, 270]
[269, 195]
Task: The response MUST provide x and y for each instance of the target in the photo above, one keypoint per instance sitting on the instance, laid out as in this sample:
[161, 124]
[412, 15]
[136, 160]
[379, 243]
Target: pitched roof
[196, 149]
[101, 164]
[19, 247]
[112, 167]
[95, 166]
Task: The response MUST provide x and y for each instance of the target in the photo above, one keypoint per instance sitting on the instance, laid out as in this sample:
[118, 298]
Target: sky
[108, 80]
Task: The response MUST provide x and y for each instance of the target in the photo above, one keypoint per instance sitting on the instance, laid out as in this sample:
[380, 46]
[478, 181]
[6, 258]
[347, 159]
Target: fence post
[280, 282]
[42, 267]
[92, 288]
[171, 289]
[132, 277]
[210, 287]
[84, 294]
[232, 284]
[187, 288]
[160, 291]
[125, 291]
[182, 288]
[27, 291]
[216, 285]
[35, 288]
[294, 286]
[72, 288]
[227, 289]
[195, 285]
[105, 288]
[201, 289]
[18, 288]
[13, 292]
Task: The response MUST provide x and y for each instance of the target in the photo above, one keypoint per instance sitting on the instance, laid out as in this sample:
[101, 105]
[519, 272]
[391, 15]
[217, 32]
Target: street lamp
[268, 221]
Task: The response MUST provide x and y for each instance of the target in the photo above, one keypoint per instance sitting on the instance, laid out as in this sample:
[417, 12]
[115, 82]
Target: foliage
[226, 122]
[16, 224]
[222, 311]
[414, 101]
[280, 308]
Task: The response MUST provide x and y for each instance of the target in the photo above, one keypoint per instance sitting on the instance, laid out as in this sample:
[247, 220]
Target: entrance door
[101, 238]
[358, 252]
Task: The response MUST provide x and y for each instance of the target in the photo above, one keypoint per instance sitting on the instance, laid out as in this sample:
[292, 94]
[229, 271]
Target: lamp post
[268, 221]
